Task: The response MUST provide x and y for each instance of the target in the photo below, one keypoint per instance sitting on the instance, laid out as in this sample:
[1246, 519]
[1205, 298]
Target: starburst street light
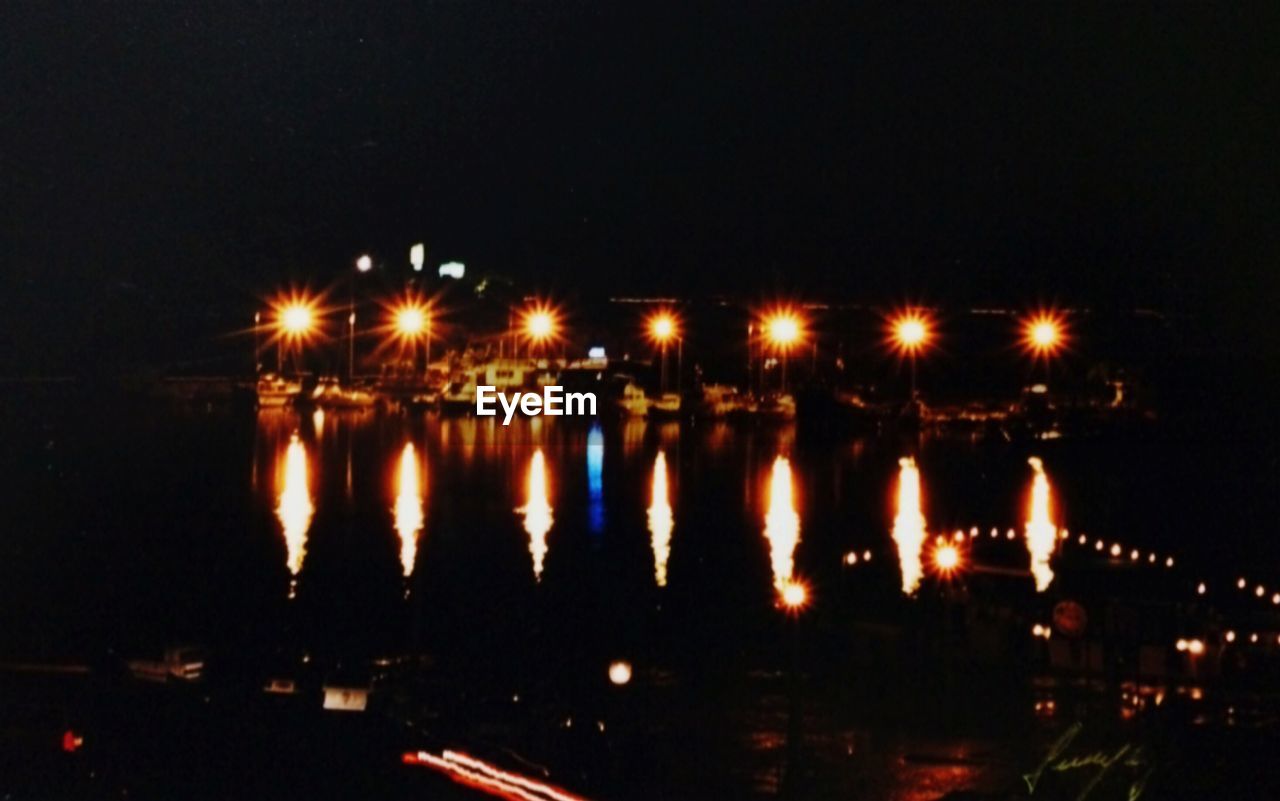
[947, 559]
[663, 327]
[910, 332]
[794, 596]
[1043, 334]
[540, 323]
[411, 321]
[295, 321]
[783, 329]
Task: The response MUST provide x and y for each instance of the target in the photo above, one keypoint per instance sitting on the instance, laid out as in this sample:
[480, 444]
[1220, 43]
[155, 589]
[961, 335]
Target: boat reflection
[295, 508]
[909, 525]
[661, 520]
[537, 512]
[781, 525]
[408, 510]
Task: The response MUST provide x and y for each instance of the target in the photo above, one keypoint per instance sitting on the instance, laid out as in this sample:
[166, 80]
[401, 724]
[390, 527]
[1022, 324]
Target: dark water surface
[133, 525]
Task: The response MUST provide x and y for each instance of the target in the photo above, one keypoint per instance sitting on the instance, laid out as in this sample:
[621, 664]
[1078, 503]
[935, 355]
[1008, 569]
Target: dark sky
[156, 157]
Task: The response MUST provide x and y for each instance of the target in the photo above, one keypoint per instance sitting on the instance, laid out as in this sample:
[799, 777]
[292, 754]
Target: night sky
[155, 158]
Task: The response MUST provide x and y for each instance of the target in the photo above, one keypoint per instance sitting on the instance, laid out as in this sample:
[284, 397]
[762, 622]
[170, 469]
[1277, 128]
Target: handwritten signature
[1100, 762]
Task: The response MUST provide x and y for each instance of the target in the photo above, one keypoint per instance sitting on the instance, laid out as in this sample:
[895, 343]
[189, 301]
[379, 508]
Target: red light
[71, 741]
[480, 775]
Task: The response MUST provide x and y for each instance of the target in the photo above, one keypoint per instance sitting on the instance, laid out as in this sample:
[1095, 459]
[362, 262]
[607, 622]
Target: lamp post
[539, 325]
[294, 321]
[1043, 335]
[911, 334]
[662, 329]
[412, 322]
[783, 330]
[363, 265]
[257, 343]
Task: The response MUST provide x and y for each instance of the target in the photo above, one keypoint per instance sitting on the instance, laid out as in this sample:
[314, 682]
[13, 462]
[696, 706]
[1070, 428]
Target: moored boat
[330, 394]
[273, 391]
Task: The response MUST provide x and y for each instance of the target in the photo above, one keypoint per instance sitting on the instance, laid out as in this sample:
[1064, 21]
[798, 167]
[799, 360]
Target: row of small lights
[910, 331]
[946, 558]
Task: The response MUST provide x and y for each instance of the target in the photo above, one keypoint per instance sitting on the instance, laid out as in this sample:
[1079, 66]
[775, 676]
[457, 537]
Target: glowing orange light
[910, 331]
[295, 318]
[661, 520]
[411, 321]
[946, 558]
[409, 517]
[1041, 533]
[781, 525]
[537, 512]
[540, 324]
[1195, 647]
[795, 595]
[295, 508]
[663, 327]
[1043, 334]
[783, 328]
[909, 525]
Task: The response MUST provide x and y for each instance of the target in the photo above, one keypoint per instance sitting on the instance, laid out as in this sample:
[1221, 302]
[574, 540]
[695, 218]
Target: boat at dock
[274, 391]
[504, 375]
[630, 400]
[720, 401]
[666, 406]
[330, 394]
[777, 408]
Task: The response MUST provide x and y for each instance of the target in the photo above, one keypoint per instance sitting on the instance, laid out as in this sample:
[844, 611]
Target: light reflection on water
[1042, 535]
[295, 507]
[472, 595]
[782, 525]
[478, 462]
[909, 525]
[409, 515]
[595, 480]
[537, 512]
[661, 520]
